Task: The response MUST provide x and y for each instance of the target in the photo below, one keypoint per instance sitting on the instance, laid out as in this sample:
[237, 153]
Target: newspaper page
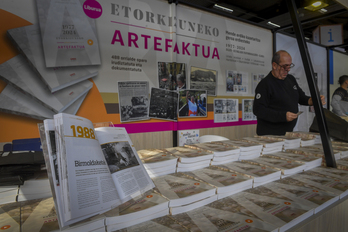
[126, 168]
[255, 79]
[247, 110]
[133, 99]
[164, 104]
[232, 110]
[67, 41]
[220, 110]
[85, 181]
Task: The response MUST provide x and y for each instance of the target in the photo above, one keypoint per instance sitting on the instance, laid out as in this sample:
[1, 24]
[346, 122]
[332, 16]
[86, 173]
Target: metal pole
[324, 134]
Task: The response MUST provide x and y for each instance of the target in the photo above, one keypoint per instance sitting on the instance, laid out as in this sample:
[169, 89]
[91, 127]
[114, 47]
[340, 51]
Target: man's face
[282, 69]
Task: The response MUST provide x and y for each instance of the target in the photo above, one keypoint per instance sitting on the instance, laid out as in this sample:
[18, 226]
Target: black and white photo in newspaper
[232, 110]
[247, 110]
[220, 110]
[203, 79]
[164, 104]
[133, 99]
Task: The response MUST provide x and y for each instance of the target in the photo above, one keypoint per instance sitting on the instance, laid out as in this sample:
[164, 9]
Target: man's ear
[274, 65]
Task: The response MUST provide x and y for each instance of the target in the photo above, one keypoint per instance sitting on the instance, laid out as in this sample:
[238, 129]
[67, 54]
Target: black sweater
[273, 98]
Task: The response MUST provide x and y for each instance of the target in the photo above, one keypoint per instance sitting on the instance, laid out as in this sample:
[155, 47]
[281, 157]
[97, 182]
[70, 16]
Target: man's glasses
[286, 66]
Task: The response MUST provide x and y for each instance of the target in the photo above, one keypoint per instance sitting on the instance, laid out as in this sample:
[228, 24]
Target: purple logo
[92, 9]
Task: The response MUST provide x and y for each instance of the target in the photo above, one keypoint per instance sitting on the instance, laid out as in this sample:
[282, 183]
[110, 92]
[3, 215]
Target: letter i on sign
[330, 33]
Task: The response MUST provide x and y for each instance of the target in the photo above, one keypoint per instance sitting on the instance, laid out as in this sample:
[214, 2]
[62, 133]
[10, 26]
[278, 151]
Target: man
[339, 101]
[277, 97]
[181, 81]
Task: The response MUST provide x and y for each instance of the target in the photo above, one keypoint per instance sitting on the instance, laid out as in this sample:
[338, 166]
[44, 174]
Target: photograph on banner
[225, 110]
[164, 104]
[203, 79]
[236, 81]
[255, 79]
[188, 137]
[192, 103]
[171, 75]
[247, 110]
[133, 97]
[67, 41]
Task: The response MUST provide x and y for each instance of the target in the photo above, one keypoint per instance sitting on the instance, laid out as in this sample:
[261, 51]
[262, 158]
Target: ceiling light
[273, 24]
[223, 8]
[317, 5]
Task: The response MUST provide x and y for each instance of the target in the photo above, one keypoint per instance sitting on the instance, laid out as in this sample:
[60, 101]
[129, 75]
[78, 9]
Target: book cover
[28, 41]
[244, 145]
[189, 155]
[18, 73]
[309, 161]
[156, 158]
[182, 190]
[216, 149]
[69, 36]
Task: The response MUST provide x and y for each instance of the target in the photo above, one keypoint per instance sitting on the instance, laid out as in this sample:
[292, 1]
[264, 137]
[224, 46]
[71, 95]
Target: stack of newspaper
[330, 172]
[143, 208]
[157, 162]
[308, 161]
[184, 193]
[269, 145]
[260, 174]
[222, 153]
[248, 149]
[289, 142]
[226, 181]
[287, 167]
[336, 149]
[190, 159]
[223, 215]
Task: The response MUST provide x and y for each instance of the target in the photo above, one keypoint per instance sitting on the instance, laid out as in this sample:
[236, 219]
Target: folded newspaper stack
[158, 162]
[226, 181]
[260, 175]
[269, 145]
[184, 193]
[314, 152]
[190, 159]
[222, 153]
[307, 138]
[248, 149]
[289, 142]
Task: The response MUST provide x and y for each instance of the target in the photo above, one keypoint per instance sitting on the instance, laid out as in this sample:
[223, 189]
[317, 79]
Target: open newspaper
[91, 170]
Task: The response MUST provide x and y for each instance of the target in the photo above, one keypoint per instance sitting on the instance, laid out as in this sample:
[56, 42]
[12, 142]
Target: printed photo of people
[163, 104]
[203, 79]
[192, 103]
[171, 75]
[119, 156]
[247, 110]
[230, 80]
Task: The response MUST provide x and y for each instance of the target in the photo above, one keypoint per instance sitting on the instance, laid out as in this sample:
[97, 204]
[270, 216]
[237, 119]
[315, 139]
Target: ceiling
[260, 12]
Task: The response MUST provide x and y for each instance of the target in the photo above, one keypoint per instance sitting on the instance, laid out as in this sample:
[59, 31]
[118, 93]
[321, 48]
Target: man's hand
[290, 116]
[322, 99]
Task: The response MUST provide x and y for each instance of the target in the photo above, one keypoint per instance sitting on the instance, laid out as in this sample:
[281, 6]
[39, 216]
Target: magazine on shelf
[260, 174]
[287, 167]
[308, 161]
[28, 41]
[156, 158]
[163, 224]
[281, 213]
[225, 181]
[90, 170]
[207, 218]
[19, 74]
[181, 189]
[69, 36]
[216, 149]
[189, 155]
[316, 199]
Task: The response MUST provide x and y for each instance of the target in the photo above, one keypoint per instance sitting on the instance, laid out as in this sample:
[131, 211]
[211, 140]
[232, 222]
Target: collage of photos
[225, 110]
[236, 82]
[247, 110]
[172, 99]
[192, 103]
[203, 79]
